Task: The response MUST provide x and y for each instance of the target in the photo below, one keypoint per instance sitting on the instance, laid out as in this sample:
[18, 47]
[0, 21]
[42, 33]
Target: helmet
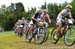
[68, 6]
[45, 10]
[40, 11]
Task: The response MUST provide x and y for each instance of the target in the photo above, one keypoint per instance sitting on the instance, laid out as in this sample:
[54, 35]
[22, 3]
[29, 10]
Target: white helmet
[69, 6]
[46, 10]
[40, 11]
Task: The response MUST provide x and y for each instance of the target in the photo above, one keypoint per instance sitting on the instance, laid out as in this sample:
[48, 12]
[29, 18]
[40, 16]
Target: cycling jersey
[37, 16]
[60, 16]
[23, 23]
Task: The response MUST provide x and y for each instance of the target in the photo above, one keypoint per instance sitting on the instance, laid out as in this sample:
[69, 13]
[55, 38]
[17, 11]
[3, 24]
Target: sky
[32, 3]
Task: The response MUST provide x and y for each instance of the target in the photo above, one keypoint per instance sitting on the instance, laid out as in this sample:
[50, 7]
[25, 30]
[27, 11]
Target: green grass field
[8, 40]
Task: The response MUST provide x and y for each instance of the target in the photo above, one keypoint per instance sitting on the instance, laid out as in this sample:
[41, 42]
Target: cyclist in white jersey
[62, 18]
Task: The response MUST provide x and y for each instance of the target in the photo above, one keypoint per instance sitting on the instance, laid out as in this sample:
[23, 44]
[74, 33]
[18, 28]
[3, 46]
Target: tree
[44, 6]
[19, 10]
[73, 9]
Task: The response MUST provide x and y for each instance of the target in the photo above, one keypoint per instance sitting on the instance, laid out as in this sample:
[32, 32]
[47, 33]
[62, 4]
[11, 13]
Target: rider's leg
[31, 29]
[65, 28]
[24, 30]
[58, 28]
[59, 24]
[30, 26]
[46, 24]
[17, 29]
[57, 31]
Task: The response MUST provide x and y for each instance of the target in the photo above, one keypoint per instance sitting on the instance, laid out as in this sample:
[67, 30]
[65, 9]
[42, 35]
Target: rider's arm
[48, 18]
[63, 12]
[33, 18]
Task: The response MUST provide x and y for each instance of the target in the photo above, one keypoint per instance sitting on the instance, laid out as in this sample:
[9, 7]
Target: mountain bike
[38, 33]
[69, 35]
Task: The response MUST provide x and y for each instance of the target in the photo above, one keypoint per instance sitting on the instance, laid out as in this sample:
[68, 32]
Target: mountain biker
[46, 17]
[38, 16]
[61, 18]
[41, 15]
[17, 24]
[20, 23]
[23, 22]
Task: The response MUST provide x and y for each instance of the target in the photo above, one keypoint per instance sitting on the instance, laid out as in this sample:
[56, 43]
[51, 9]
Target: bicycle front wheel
[46, 35]
[28, 36]
[20, 32]
[40, 36]
[69, 37]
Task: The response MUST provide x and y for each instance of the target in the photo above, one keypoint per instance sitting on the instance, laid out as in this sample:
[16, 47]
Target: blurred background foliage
[9, 15]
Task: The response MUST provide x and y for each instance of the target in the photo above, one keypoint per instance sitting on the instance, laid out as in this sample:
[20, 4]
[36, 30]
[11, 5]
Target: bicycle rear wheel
[69, 37]
[53, 33]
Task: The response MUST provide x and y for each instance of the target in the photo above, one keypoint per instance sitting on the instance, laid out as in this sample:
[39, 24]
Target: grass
[8, 40]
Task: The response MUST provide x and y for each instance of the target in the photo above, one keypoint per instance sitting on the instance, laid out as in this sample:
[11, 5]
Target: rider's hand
[65, 18]
[50, 23]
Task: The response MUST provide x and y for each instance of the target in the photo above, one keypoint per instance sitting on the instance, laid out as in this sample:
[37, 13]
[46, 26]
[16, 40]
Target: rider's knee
[59, 25]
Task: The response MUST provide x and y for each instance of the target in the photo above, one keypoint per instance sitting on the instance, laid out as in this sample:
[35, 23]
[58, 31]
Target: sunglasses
[70, 8]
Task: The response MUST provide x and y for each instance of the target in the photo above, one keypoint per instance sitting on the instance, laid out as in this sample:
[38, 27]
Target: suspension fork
[38, 30]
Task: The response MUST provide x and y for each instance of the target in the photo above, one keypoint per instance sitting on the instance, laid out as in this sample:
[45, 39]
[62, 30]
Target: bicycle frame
[67, 26]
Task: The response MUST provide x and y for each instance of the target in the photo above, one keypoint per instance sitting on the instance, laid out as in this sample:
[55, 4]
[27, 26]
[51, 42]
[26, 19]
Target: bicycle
[47, 34]
[68, 35]
[38, 33]
[20, 31]
[29, 33]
